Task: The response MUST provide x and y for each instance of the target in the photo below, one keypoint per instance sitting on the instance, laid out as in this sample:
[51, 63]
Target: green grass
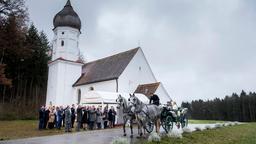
[239, 134]
[23, 129]
[204, 121]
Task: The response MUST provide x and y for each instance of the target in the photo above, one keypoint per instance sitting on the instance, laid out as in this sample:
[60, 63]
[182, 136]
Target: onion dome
[67, 17]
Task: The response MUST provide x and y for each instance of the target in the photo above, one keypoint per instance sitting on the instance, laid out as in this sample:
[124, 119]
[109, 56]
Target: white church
[69, 79]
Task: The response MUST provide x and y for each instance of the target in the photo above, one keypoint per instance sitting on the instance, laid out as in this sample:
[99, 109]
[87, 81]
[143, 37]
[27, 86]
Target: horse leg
[140, 129]
[157, 123]
[124, 127]
[131, 122]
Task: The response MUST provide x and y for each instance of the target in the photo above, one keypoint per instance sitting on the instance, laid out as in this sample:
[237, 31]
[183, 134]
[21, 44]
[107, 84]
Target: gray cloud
[198, 49]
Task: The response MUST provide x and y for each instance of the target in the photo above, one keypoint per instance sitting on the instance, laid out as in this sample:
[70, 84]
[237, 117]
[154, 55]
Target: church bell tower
[65, 67]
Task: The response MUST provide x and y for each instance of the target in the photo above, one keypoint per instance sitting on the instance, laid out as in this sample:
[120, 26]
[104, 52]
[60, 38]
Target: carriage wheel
[168, 124]
[149, 126]
[163, 122]
[184, 122]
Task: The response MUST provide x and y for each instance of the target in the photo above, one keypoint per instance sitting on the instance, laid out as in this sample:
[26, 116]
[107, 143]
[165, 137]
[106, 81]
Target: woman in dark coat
[110, 118]
[105, 117]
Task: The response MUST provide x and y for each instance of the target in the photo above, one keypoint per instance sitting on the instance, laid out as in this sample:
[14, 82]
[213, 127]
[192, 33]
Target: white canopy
[102, 97]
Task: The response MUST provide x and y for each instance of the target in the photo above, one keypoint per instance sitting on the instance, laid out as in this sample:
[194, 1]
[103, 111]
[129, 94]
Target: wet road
[87, 137]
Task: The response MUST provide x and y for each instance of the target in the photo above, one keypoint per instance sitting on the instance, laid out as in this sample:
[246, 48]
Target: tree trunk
[4, 94]
[24, 91]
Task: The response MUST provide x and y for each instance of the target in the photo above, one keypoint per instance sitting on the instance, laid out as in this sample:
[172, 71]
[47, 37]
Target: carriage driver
[154, 99]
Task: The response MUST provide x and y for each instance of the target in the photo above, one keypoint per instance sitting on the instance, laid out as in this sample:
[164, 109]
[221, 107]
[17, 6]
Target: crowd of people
[78, 117]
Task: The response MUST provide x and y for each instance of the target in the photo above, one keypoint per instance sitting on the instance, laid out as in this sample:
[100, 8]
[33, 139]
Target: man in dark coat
[67, 119]
[154, 99]
[46, 117]
[79, 117]
[73, 115]
[59, 117]
[63, 116]
[41, 118]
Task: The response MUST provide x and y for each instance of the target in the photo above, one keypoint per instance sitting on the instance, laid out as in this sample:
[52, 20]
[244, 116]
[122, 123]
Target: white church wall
[137, 72]
[108, 86]
[163, 95]
[51, 84]
[62, 75]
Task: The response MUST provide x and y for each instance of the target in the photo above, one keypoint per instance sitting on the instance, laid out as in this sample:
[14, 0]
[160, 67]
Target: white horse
[127, 113]
[147, 115]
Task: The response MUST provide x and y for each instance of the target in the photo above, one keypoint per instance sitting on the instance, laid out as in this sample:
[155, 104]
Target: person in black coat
[46, 117]
[85, 118]
[79, 117]
[105, 117]
[154, 99]
[41, 117]
[73, 115]
[110, 118]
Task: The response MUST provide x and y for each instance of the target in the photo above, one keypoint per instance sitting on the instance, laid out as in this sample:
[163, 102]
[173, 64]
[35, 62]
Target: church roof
[67, 17]
[104, 69]
[147, 89]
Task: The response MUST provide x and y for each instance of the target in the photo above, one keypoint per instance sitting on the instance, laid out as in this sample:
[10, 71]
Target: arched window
[78, 96]
[62, 43]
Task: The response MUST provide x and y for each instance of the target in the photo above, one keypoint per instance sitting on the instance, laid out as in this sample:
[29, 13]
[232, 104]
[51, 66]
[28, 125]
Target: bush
[154, 137]
[218, 125]
[18, 112]
[174, 134]
[197, 128]
[208, 127]
[186, 130]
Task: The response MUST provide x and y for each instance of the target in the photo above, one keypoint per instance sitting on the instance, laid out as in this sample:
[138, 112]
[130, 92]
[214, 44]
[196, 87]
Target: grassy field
[239, 134]
[23, 129]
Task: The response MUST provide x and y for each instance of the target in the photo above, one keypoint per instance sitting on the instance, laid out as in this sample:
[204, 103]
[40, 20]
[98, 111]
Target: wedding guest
[67, 119]
[105, 117]
[59, 117]
[73, 115]
[46, 118]
[41, 117]
[79, 117]
[51, 119]
[98, 118]
[85, 118]
[92, 117]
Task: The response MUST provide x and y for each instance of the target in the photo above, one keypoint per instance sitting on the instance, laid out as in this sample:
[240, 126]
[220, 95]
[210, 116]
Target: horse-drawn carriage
[170, 116]
[148, 115]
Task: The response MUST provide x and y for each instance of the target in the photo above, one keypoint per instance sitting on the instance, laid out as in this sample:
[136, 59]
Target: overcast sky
[196, 48]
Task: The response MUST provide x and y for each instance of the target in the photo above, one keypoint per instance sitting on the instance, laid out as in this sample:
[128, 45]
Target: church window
[63, 33]
[91, 88]
[79, 96]
[62, 43]
[140, 68]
